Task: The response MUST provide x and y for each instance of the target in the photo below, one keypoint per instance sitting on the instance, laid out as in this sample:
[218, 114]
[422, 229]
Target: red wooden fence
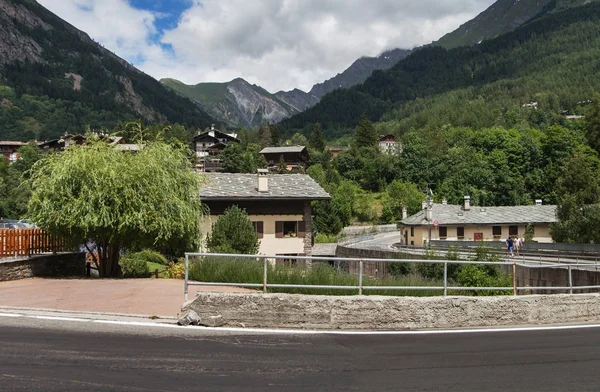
[27, 242]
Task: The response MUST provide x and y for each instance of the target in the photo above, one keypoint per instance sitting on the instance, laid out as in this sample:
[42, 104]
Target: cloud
[277, 44]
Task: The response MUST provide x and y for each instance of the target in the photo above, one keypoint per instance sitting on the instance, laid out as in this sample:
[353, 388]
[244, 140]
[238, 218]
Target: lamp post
[429, 216]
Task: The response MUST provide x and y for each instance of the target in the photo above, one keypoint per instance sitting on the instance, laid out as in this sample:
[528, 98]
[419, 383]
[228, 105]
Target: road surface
[46, 355]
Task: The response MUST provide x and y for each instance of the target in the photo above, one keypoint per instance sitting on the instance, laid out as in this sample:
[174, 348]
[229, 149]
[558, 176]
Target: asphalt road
[38, 355]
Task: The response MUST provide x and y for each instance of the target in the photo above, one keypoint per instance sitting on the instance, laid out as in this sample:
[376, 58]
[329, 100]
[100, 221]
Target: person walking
[517, 244]
[509, 245]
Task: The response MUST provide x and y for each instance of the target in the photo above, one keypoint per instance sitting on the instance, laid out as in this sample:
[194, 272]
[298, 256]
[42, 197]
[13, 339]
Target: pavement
[49, 355]
[151, 297]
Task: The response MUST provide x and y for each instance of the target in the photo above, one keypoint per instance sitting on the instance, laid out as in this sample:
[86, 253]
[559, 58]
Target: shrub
[176, 271]
[484, 276]
[134, 266]
[153, 257]
[323, 238]
[233, 232]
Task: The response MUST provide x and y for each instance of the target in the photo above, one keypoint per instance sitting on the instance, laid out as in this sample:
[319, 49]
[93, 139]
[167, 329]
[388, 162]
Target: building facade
[278, 204]
[208, 146]
[294, 157]
[439, 222]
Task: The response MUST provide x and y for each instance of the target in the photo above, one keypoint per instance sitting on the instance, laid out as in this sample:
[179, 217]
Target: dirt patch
[76, 80]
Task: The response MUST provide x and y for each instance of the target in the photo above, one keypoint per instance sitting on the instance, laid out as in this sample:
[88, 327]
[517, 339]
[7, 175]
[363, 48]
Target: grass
[232, 270]
[156, 266]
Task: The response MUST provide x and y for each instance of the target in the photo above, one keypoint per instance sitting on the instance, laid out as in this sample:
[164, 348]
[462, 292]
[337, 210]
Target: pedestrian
[509, 245]
[517, 244]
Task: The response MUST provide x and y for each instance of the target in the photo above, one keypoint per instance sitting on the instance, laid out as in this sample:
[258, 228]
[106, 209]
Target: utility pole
[429, 212]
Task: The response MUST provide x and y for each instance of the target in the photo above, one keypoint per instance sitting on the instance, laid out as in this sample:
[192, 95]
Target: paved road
[38, 355]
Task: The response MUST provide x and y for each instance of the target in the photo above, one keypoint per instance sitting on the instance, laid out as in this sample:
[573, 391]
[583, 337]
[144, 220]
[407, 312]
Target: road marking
[308, 332]
[10, 315]
[59, 318]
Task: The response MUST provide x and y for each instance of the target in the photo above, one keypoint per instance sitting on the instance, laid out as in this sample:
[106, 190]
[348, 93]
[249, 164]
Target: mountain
[552, 60]
[359, 71]
[501, 17]
[239, 103]
[55, 79]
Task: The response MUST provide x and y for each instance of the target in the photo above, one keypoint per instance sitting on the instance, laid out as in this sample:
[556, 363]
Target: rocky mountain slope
[238, 103]
[359, 71]
[55, 79]
[501, 17]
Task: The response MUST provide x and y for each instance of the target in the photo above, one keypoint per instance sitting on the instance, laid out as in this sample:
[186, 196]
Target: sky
[276, 44]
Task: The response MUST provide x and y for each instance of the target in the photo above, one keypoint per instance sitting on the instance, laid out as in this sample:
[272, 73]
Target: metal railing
[361, 288]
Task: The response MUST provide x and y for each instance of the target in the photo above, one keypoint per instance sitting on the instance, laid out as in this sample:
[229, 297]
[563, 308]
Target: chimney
[424, 205]
[404, 213]
[467, 206]
[444, 201]
[263, 180]
[538, 202]
[429, 214]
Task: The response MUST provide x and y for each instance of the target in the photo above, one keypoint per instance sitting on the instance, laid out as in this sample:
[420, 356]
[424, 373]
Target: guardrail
[361, 288]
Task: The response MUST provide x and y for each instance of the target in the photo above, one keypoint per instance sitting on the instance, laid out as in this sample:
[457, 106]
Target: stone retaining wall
[385, 313]
[47, 265]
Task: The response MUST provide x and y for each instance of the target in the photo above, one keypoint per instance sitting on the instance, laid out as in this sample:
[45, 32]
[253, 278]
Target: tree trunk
[109, 260]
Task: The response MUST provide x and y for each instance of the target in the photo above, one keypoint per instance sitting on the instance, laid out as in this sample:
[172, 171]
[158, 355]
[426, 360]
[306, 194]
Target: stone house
[389, 145]
[471, 223]
[278, 204]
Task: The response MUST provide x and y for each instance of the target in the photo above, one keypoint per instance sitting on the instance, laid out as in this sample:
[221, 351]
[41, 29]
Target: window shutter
[301, 229]
[260, 229]
[278, 229]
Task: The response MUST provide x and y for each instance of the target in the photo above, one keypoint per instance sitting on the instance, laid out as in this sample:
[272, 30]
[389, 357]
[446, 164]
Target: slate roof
[228, 186]
[324, 250]
[281, 150]
[454, 215]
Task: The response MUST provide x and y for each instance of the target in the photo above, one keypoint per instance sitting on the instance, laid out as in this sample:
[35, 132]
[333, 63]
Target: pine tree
[317, 138]
[233, 233]
[365, 134]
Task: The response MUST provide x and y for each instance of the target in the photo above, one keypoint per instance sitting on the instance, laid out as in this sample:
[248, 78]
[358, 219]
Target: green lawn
[156, 266]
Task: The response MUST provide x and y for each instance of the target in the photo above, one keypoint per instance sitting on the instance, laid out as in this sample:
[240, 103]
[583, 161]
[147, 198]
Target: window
[497, 231]
[443, 232]
[259, 227]
[289, 229]
[412, 231]
[513, 230]
[460, 232]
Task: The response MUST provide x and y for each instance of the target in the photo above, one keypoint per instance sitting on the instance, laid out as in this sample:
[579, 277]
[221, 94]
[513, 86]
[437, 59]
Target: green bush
[233, 233]
[153, 257]
[323, 238]
[133, 265]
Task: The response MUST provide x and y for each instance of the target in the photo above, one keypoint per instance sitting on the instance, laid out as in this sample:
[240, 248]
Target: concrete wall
[385, 313]
[50, 265]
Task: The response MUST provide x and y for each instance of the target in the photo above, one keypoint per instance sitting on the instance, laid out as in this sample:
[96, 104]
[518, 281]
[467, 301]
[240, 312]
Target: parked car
[16, 224]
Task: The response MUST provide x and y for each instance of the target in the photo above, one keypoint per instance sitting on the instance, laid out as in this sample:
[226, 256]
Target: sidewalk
[152, 297]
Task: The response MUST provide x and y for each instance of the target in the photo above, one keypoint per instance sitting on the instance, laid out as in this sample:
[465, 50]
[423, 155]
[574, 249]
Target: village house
[389, 145]
[295, 157]
[336, 150]
[470, 223]
[278, 204]
[9, 149]
[208, 146]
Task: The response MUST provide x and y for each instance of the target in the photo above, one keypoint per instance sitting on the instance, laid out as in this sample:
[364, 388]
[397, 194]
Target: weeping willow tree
[106, 200]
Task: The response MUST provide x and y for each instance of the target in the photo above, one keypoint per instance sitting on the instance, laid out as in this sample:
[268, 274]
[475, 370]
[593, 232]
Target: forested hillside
[55, 79]
[553, 59]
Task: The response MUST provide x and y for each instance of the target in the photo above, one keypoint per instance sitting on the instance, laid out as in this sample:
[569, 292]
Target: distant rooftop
[447, 214]
[281, 150]
[228, 186]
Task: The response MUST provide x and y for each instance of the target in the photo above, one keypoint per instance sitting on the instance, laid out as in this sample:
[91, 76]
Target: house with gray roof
[295, 157]
[473, 223]
[278, 204]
